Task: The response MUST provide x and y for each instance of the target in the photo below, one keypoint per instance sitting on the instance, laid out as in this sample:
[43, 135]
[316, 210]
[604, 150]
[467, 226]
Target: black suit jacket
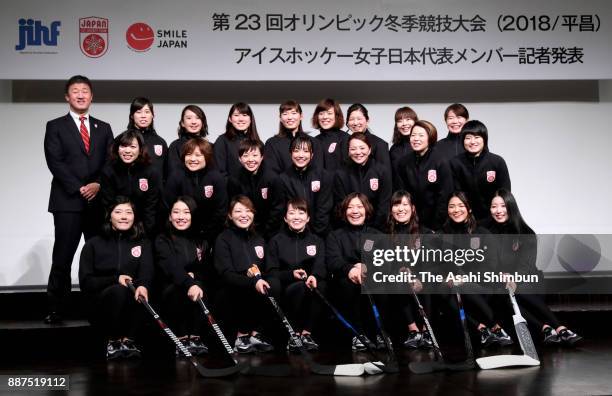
[68, 162]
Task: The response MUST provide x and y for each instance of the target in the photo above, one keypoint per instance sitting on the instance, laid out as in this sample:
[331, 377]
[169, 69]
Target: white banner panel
[314, 40]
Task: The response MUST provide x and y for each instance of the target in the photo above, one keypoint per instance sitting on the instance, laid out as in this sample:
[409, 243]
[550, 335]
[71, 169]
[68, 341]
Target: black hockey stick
[357, 334]
[342, 369]
[391, 364]
[203, 371]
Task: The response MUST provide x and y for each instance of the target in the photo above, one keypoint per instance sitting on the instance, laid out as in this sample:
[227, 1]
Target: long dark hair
[125, 139]
[402, 112]
[193, 207]
[413, 223]
[251, 131]
[137, 104]
[197, 110]
[137, 230]
[516, 223]
[470, 221]
[285, 106]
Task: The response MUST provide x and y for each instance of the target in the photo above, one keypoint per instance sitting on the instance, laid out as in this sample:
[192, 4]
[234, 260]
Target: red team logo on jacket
[490, 176]
[264, 193]
[259, 251]
[311, 250]
[475, 242]
[208, 191]
[143, 184]
[159, 150]
[374, 184]
[136, 250]
[315, 185]
[332, 147]
[368, 245]
[93, 36]
[432, 175]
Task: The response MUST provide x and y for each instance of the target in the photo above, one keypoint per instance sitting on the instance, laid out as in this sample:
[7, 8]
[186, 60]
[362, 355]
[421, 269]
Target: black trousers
[302, 306]
[115, 312]
[356, 307]
[69, 226]
[533, 307]
[184, 316]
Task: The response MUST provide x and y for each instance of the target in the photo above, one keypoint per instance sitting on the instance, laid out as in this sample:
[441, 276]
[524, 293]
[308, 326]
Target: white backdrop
[558, 155]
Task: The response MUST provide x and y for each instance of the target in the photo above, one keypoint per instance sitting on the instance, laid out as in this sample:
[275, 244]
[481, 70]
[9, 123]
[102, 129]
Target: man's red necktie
[84, 133]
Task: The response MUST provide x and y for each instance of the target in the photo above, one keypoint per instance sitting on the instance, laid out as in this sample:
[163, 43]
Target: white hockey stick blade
[501, 361]
[349, 370]
[373, 368]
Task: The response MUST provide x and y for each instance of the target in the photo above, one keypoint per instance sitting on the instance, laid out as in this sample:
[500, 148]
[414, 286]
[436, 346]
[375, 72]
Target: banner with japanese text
[316, 40]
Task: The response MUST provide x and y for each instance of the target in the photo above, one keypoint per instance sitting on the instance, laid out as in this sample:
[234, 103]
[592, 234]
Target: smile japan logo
[93, 36]
[141, 36]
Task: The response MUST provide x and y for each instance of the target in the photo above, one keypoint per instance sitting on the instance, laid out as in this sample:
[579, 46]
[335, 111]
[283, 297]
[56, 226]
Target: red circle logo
[139, 36]
[94, 45]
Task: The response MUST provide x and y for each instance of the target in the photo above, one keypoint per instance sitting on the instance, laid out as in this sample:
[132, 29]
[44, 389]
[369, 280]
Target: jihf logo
[140, 37]
[34, 33]
[93, 36]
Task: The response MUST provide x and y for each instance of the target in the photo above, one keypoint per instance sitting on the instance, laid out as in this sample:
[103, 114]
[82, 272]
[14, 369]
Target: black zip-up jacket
[158, 151]
[265, 190]
[103, 259]
[289, 250]
[315, 186]
[236, 250]
[517, 252]
[226, 154]
[451, 146]
[141, 183]
[479, 177]
[345, 246]
[380, 150]
[370, 179]
[176, 255]
[396, 153]
[334, 144]
[209, 189]
[278, 157]
[429, 180]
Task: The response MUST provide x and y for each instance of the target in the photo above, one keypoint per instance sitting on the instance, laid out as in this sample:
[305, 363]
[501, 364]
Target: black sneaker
[260, 344]
[309, 343]
[129, 349]
[380, 342]
[195, 346]
[569, 337]
[487, 338]
[292, 345]
[113, 350]
[502, 337]
[426, 341]
[550, 336]
[414, 340]
[243, 344]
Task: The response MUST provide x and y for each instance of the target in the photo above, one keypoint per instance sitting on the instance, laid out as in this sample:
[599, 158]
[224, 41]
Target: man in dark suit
[76, 149]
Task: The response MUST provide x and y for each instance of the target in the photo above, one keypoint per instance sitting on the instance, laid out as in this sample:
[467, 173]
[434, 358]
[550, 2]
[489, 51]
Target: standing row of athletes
[195, 217]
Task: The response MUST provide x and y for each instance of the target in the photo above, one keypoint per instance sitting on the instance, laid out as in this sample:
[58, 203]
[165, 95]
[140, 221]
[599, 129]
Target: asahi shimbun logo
[140, 37]
[93, 36]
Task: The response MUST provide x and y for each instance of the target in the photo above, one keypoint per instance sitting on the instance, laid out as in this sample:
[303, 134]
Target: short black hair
[78, 79]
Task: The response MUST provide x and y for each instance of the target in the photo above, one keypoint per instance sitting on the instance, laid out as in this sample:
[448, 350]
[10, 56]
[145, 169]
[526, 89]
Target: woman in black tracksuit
[262, 186]
[130, 173]
[141, 119]
[240, 125]
[328, 119]
[405, 118]
[192, 124]
[357, 119]
[462, 234]
[365, 175]
[313, 184]
[404, 230]
[239, 256]
[200, 180]
[121, 254]
[180, 254]
[344, 250]
[296, 257]
[478, 172]
[455, 116]
[278, 156]
[426, 176]
[518, 249]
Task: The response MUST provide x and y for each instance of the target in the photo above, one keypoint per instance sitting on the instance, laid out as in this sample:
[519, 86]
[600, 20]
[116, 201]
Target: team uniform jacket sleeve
[223, 256]
[277, 207]
[446, 189]
[273, 266]
[151, 201]
[144, 273]
[107, 188]
[324, 204]
[220, 204]
[54, 154]
[166, 259]
[220, 150]
[503, 175]
[319, 269]
[88, 280]
[384, 200]
[336, 262]
[172, 190]
[273, 162]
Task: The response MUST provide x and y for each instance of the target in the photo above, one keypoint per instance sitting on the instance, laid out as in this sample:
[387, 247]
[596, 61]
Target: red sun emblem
[139, 36]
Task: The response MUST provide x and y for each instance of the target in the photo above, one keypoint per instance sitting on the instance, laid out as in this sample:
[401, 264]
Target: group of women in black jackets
[234, 221]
